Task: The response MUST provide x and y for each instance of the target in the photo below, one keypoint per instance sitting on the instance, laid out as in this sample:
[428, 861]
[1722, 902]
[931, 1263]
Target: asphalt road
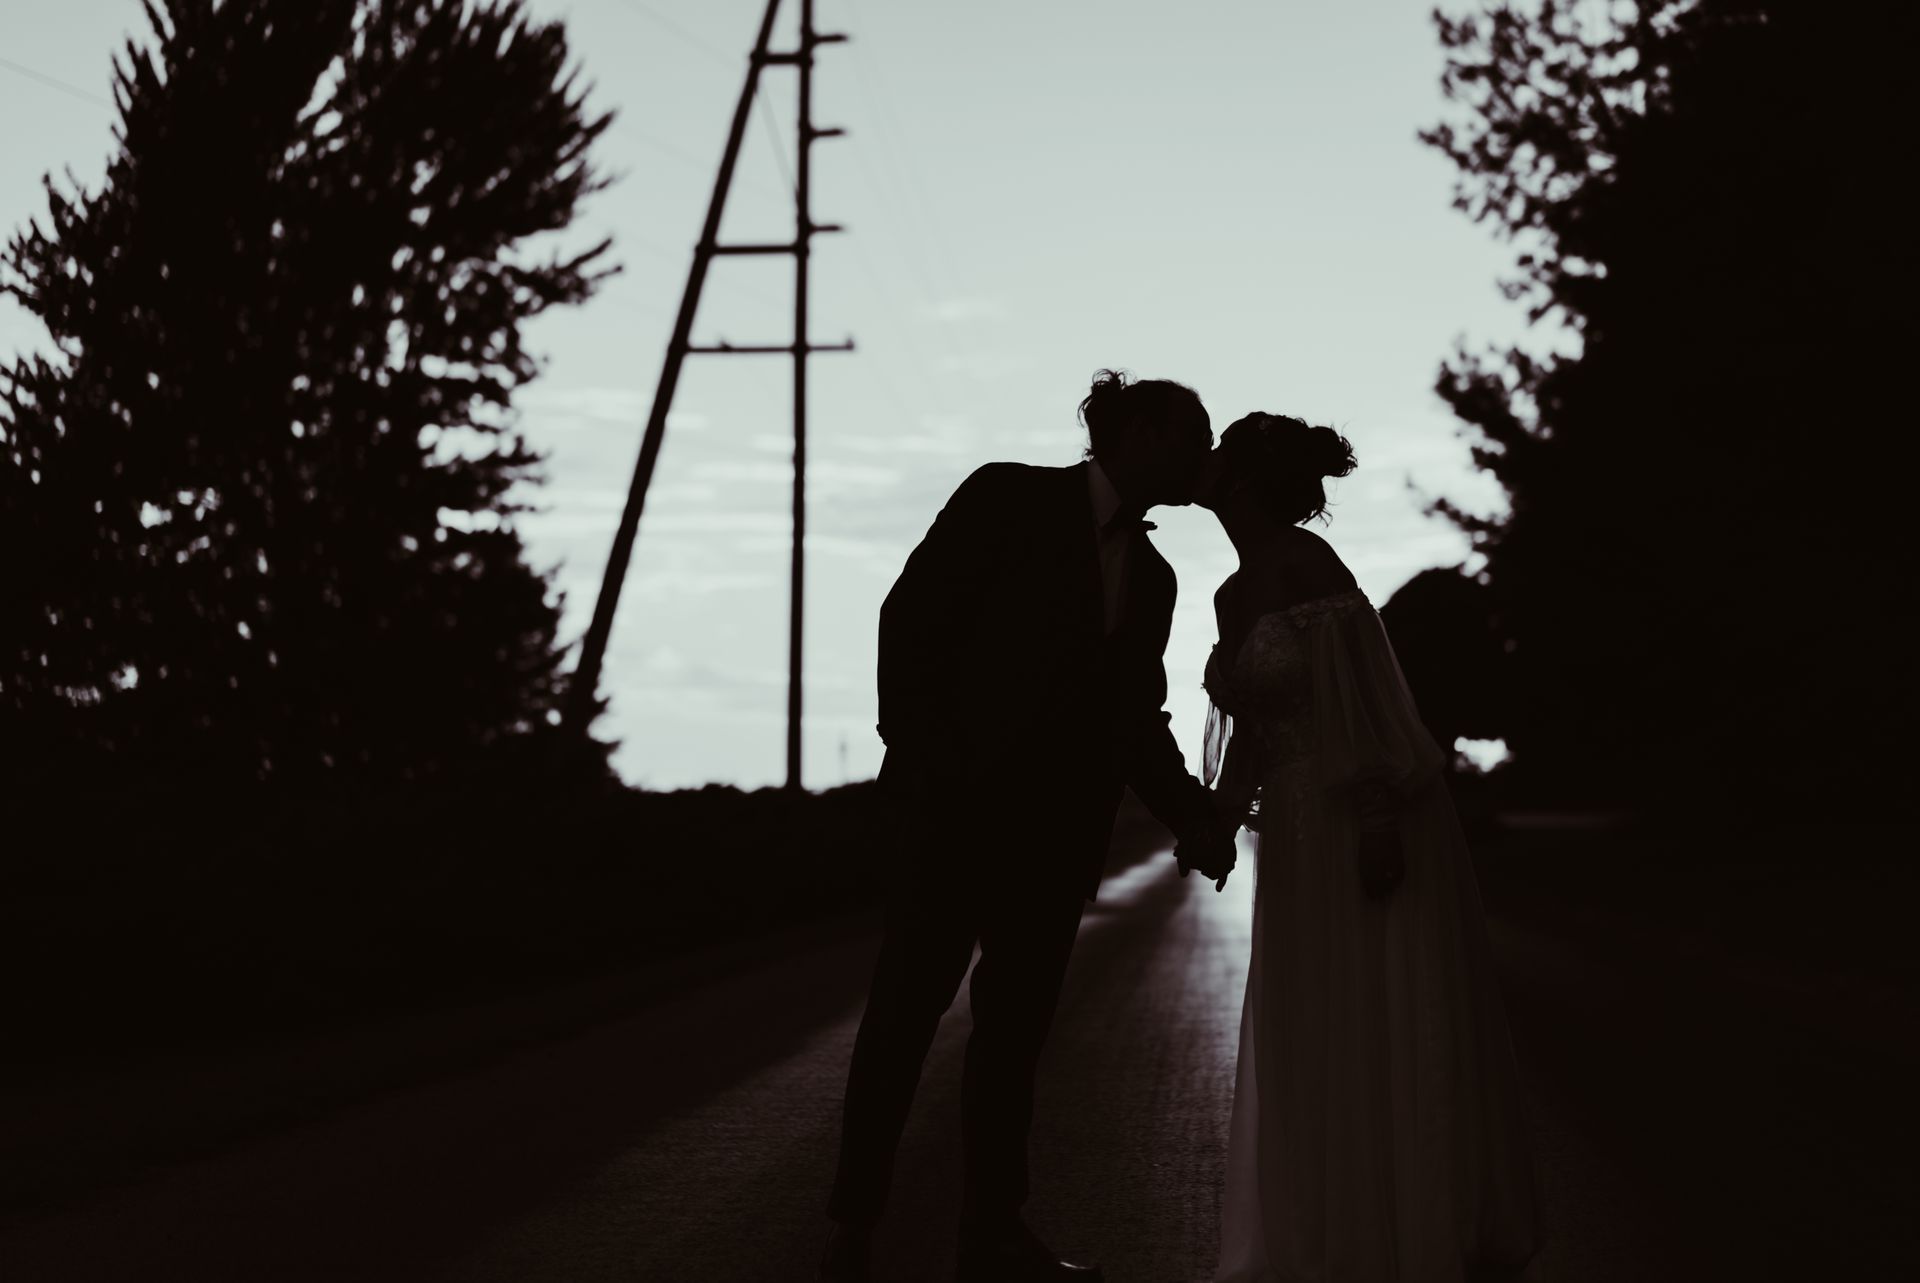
[694, 1138]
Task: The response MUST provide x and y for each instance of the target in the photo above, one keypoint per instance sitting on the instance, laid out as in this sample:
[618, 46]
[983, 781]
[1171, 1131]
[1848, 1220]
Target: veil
[1213, 744]
[1222, 772]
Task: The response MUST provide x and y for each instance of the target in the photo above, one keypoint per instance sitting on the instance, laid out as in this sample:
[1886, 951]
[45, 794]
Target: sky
[1228, 193]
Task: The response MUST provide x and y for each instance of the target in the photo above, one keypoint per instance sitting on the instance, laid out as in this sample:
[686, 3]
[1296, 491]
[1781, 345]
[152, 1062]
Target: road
[693, 1139]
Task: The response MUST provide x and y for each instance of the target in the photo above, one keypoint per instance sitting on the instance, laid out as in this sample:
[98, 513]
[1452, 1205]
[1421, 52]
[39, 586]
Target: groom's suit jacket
[1011, 716]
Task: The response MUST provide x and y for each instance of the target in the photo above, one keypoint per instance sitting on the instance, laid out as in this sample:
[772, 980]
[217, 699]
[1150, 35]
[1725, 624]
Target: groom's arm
[920, 619]
[1150, 756]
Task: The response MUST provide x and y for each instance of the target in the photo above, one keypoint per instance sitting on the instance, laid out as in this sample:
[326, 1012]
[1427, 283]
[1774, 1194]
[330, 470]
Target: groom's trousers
[1025, 930]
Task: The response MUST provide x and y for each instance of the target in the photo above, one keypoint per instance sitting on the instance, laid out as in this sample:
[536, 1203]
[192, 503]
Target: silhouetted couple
[1376, 1129]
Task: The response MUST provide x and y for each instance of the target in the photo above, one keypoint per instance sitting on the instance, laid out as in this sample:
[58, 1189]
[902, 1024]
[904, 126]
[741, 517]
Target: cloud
[716, 523]
[578, 408]
[586, 402]
[950, 311]
[694, 583]
[988, 366]
[902, 444]
[836, 475]
[748, 472]
[679, 492]
[819, 545]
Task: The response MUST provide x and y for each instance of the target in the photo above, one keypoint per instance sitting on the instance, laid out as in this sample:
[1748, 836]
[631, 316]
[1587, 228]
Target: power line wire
[898, 191]
[687, 37]
[770, 119]
[899, 159]
[655, 141]
[56, 83]
[773, 137]
[682, 154]
[619, 125]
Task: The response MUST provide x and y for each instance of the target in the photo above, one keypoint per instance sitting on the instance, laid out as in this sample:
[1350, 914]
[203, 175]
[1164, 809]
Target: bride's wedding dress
[1377, 1132]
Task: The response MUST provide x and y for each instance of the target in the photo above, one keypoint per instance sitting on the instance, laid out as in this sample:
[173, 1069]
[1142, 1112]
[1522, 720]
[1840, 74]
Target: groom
[1021, 683]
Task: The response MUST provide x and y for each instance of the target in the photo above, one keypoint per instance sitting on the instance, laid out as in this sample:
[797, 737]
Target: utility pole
[585, 682]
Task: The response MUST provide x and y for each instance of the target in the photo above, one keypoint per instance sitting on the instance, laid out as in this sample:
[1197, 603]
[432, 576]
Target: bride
[1377, 1133]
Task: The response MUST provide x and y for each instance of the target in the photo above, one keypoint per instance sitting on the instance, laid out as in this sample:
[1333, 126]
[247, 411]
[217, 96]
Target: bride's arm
[1378, 808]
[1242, 766]
[1372, 746]
[1231, 764]
[1373, 751]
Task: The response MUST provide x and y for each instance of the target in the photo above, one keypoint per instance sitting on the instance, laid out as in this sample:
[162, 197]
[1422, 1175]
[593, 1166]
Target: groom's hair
[1119, 405]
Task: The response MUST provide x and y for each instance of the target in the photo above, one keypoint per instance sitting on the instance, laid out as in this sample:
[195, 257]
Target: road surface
[693, 1139]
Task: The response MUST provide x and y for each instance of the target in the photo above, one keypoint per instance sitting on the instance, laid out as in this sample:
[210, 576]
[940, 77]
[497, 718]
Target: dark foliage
[256, 509]
[1441, 622]
[130, 925]
[144, 927]
[1697, 571]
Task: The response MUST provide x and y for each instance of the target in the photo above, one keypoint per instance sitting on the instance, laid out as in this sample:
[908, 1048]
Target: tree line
[1695, 591]
[257, 501]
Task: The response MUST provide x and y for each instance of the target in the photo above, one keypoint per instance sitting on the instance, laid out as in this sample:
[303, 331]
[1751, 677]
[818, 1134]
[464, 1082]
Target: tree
[258, 506]
[1442, 629]
[1692, 571]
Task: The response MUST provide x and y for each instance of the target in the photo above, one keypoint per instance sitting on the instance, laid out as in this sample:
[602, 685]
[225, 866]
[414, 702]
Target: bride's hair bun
[1286, 460]
[1329, 453]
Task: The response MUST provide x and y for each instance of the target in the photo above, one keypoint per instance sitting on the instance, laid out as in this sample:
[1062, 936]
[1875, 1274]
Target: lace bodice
[1312, 712]
[1267, 687]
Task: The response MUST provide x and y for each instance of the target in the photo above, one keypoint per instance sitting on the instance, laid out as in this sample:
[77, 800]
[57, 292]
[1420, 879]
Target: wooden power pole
[586, 676]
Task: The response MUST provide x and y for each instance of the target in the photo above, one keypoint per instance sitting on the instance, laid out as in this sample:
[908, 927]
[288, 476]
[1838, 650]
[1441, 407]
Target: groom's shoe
[1015, 1254]
[848, 1256]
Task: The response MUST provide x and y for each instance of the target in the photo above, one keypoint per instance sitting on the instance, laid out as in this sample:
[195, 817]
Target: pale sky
[1224, 192]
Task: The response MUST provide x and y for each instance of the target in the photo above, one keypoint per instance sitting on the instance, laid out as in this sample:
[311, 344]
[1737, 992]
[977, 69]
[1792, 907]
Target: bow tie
[1121, 523]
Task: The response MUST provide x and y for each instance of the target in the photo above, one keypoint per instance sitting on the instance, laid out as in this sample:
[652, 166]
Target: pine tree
[257, 506]
[1699, 531]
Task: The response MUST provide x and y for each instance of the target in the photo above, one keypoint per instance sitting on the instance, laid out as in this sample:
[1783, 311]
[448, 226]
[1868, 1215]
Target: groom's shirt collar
[1106, 500]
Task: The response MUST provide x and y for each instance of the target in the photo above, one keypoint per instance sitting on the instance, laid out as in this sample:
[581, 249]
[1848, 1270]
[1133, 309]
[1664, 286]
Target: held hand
[1228, 816]
[1382, 863]
[1230, 856]
[1211, 850]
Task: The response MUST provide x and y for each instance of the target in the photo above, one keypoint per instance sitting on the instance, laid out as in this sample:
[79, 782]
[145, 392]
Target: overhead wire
[681, 33]
[918, 277]
[667, 147]
[54, 82]
[898, 161]
[773, 139]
